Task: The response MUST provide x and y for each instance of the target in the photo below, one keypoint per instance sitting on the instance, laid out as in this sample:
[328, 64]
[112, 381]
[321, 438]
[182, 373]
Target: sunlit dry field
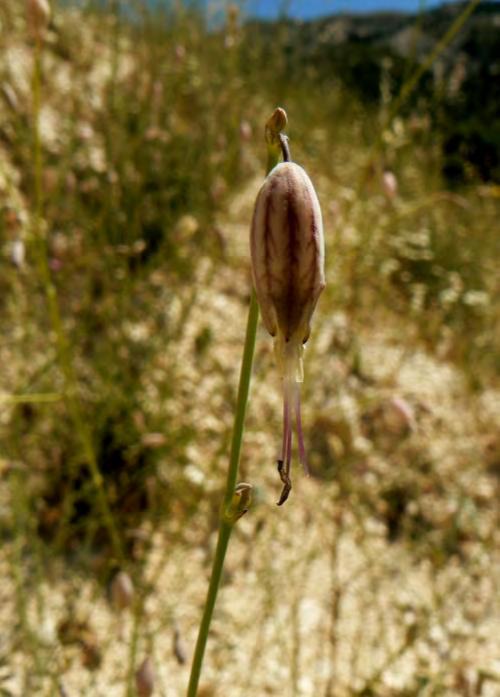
[131, 153]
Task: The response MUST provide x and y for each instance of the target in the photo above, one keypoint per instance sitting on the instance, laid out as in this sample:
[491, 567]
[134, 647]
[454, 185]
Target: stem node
[240, 503]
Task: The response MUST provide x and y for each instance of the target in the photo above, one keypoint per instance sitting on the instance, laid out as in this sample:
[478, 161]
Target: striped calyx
[287, 250]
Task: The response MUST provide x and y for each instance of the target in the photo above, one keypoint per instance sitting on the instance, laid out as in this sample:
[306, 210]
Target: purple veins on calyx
[287, 250]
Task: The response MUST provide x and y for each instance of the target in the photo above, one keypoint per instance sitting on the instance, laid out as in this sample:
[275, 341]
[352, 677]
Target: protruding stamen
[300, 433]
[286, 422]
[286, 451]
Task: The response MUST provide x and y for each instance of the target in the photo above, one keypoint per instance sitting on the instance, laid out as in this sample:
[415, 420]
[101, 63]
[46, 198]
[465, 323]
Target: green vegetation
[124, 283]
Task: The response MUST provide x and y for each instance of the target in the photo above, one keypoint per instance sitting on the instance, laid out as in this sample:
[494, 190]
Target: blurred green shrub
[148, 129]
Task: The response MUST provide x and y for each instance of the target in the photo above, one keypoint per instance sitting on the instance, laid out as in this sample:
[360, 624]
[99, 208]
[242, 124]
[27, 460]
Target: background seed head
[122, 591]
[145, 678]
[38, 16]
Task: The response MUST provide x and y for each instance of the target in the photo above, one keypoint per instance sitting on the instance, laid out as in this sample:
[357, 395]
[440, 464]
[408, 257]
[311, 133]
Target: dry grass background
[380, 575]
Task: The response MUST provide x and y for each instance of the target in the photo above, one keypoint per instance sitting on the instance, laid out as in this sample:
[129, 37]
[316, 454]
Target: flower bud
[287, 250]
[276, 123]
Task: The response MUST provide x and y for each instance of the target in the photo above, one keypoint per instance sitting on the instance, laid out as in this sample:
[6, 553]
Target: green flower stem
[226, 522]
[230, 511]
[241, 403]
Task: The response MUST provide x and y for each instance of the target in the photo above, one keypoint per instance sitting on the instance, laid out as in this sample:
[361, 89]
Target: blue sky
[315, 8]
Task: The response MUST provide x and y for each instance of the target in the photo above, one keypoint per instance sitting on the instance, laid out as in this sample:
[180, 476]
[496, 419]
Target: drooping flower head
[287, 251]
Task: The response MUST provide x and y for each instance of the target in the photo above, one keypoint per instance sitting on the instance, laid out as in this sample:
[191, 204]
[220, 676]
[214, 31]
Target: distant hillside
[409, 35]
[462, 88]
[412, 36]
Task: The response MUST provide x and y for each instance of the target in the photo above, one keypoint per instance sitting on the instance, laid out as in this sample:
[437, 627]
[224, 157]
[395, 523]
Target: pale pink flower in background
[390, 184]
